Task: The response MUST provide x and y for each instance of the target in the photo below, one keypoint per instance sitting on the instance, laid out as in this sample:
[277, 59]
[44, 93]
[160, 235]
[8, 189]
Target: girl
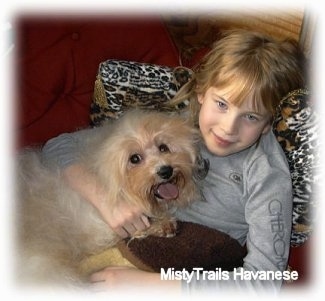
[233, 97]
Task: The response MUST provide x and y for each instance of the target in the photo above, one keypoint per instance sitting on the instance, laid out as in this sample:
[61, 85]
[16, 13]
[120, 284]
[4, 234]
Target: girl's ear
[200, 98]
[267, 127]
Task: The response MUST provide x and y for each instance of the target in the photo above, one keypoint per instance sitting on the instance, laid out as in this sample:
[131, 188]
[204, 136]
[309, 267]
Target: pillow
[296, 129]
[194, 246]
[121, 85]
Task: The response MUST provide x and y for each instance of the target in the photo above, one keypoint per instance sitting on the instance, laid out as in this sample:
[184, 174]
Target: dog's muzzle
[167, 190]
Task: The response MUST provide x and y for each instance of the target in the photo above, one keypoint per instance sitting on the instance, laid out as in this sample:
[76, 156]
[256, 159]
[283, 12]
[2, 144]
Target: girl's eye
[163, 148]
[221, 105]
[251, 117]
[135, 159]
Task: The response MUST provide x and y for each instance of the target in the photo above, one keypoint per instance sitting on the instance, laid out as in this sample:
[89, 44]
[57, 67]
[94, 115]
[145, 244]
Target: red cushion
[300, 261]
[57, 61]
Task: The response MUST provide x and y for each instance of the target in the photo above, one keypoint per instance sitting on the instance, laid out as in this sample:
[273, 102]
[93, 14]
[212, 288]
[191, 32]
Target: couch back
[56, 63]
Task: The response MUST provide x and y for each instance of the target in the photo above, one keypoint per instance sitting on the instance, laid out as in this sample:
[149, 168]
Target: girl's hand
[117, 278]
[124, 219]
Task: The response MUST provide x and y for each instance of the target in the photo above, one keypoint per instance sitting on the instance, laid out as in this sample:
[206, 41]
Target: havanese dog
[144, 158]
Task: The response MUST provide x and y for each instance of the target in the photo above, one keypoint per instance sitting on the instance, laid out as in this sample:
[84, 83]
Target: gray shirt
[247, 195]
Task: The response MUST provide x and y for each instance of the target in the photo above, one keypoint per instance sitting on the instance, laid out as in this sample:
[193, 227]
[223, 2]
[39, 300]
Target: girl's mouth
[222, 142]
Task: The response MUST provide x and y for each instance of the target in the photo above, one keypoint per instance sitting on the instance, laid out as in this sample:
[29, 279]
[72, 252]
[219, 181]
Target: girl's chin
[222, 150]
[218, 151]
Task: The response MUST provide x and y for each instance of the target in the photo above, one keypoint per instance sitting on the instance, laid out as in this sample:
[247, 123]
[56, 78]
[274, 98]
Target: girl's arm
[121, 279]
[63, 151]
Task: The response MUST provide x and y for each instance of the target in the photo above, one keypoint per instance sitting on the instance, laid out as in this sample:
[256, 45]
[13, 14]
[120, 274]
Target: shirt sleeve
[64, 149]
[268, 213]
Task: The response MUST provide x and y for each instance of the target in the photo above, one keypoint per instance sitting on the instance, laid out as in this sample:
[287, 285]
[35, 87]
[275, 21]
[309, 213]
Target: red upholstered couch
[56, 63]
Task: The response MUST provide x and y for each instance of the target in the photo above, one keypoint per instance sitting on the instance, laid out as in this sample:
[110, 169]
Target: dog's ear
[201, 168]
[109, 165]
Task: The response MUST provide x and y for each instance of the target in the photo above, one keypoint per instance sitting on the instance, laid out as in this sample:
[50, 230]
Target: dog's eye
[163, 148]
[135, 159]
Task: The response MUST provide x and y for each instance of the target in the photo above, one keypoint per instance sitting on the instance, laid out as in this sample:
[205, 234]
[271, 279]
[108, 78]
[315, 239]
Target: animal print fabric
[121, 85]
[297, 130]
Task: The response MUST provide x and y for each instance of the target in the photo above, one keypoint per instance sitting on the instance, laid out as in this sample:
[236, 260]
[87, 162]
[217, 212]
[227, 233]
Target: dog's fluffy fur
[133, 158]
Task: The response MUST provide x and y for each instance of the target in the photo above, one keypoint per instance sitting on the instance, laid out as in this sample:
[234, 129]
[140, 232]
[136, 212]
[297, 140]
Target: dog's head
[150, 158]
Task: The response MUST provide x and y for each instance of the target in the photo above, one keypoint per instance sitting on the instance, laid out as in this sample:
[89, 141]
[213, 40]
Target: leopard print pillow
[121, 85]
[296, 129]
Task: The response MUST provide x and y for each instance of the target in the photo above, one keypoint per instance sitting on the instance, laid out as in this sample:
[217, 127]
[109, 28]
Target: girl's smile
[221, 141]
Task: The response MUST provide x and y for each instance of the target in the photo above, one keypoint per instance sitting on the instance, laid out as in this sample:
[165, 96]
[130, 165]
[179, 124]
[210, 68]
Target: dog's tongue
[167, 191]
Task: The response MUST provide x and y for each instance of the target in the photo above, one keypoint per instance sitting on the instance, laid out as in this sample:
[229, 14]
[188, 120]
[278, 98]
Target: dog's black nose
[165, 172]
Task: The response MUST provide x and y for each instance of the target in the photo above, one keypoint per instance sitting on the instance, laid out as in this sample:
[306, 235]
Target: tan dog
[144, 158]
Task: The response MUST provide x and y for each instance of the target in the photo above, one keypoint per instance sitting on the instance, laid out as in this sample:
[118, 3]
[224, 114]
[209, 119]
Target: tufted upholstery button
[75, 36]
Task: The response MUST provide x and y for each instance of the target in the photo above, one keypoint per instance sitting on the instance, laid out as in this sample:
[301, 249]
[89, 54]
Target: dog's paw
[139, 235]
[167, 229]
[159, 229]
[164, 229]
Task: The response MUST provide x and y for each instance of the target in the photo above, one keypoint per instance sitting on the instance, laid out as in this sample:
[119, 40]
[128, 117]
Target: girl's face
[226, 128]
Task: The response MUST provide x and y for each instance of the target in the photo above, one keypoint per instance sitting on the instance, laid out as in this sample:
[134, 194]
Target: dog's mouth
[167, 190]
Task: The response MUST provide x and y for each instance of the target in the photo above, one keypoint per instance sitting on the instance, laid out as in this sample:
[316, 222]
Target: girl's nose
[230, 125]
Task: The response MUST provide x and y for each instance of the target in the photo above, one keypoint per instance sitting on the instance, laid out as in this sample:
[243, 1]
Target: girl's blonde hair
[261, 68]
